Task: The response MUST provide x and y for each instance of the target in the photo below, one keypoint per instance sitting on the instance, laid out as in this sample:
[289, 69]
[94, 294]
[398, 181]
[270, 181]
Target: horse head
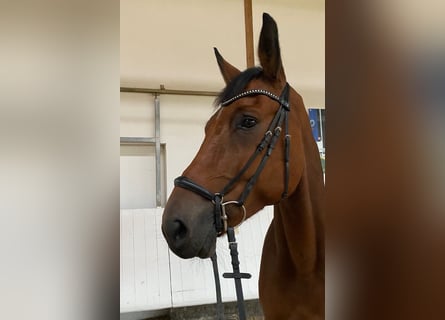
[257, 118]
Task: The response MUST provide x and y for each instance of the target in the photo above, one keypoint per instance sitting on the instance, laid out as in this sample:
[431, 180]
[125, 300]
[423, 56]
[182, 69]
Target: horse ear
[269, 50]
[228, 71]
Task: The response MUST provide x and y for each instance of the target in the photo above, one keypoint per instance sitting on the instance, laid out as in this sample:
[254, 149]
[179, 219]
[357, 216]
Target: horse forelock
[238, 84]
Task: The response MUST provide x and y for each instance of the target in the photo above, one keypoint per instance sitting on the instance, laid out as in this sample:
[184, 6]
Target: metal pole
[158, 150]
[157, 138]
[170, 91]
[138, 140]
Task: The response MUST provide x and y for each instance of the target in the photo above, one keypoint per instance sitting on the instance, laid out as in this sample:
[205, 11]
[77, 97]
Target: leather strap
[236, 274]
[219, 304]
[188, 184]
[269, 141]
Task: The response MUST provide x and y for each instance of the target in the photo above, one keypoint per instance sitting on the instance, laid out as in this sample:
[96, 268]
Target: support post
[158, 150]
[250, 60]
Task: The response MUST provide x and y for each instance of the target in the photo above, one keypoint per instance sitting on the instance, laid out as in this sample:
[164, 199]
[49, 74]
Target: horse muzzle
[188, 226]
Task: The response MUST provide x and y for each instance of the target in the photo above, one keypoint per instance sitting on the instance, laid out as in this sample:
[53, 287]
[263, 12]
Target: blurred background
[60, 122]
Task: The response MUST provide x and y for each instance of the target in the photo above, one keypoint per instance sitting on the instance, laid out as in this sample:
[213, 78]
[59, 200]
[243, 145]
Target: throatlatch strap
[285, 96]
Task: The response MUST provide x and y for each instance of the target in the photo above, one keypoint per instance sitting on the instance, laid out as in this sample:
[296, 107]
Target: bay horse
[258, 150]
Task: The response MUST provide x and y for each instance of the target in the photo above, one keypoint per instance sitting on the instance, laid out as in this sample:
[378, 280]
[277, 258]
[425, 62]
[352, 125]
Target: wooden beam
[250, 60]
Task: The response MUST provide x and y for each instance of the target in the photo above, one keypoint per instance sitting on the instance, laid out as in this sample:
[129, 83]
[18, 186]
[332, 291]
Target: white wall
[170, 43]
[144, 265]
[182, 125]
[153, 278]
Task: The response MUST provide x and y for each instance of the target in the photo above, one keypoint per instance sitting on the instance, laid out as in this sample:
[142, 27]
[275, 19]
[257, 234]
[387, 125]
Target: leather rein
[268, 142]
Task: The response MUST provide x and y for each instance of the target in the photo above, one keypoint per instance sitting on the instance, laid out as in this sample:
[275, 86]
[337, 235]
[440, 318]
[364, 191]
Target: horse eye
[248, 122]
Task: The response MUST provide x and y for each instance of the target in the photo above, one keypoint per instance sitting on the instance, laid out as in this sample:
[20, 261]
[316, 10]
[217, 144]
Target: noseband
[269, 141]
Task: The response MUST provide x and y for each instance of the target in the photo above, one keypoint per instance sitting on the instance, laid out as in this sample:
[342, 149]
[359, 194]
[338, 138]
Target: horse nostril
[180, 230]
[175, 232]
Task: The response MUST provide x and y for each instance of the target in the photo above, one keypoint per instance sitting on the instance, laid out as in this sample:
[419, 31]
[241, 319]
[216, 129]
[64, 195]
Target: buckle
[225, 217]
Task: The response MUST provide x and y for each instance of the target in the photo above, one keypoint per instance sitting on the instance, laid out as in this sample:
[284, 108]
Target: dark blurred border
[385, 72]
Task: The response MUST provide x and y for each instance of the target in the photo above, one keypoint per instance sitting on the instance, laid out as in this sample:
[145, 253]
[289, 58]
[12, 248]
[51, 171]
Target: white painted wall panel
[154, 278]
[127, 294]
[145, 276]
[140, 259]
[192, 280]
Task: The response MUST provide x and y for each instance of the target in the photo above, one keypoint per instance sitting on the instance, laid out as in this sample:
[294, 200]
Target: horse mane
[238, 84]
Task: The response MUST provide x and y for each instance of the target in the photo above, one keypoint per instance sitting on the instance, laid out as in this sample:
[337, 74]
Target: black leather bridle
[269, 141]
[221, 225]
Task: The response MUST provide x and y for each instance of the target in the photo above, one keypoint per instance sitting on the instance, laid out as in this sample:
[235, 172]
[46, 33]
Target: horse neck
[298, 222]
